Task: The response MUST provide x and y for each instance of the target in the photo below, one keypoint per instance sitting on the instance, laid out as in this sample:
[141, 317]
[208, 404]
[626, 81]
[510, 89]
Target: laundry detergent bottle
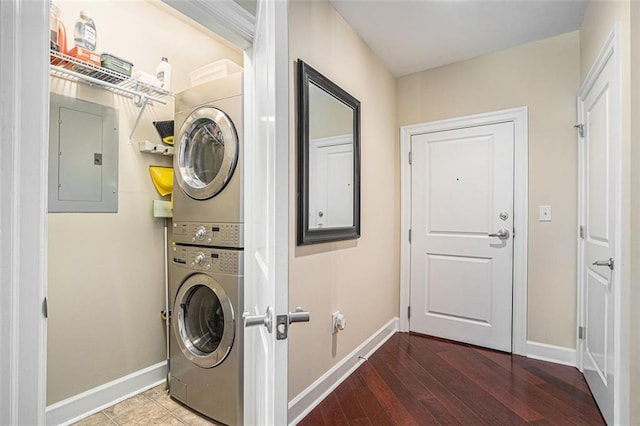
[84, 34]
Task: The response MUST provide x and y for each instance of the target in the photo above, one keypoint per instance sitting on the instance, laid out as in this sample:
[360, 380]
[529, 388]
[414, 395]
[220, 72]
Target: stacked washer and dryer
[206, 277]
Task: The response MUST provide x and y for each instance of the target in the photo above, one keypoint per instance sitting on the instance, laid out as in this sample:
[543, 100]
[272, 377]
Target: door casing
[611, 50]
[519, 117]
[24, 135]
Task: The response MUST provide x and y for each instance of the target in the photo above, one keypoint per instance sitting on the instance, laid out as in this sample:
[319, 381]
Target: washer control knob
[200, 257]
[201, 232]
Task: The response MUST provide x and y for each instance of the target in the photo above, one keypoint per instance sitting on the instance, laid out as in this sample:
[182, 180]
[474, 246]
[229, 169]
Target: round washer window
[204, 321]
[207, 153]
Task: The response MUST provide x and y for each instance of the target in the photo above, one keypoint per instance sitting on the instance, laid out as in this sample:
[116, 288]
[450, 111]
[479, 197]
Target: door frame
[611, 50]
[519, 118]
[24, 136]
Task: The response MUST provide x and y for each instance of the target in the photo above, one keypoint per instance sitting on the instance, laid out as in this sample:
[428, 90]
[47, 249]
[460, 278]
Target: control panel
[218, 261]
[209, 234]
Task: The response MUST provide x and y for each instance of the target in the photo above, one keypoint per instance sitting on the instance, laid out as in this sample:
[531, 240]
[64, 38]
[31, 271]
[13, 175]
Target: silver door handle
[266, 319]
[608, 263]
[283, 321]
[503, 234]
[299, 315]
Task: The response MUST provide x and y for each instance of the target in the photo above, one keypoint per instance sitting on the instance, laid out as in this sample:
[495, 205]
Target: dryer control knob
[201, 232]
[200, 257]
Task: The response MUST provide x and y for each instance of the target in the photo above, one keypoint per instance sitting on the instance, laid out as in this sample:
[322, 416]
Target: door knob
[283, 321]
[608, 263]
[299, 315]
[503, 234]
[266, 319]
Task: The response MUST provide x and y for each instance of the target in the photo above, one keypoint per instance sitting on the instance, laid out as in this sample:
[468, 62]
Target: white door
[331, 177]
[461, 269]
[599, 176]
[266, 215]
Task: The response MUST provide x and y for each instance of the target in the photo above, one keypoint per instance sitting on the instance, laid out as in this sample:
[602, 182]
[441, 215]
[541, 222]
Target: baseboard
[309, 398]
[551, 353]
[97, 399]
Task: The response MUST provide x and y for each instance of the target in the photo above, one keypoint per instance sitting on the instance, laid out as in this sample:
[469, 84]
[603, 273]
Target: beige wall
[359, 277]
[599, 19]
[544, 76]
[105, 283]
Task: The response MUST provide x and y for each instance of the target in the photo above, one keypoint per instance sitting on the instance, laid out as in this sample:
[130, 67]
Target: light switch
[545, 213]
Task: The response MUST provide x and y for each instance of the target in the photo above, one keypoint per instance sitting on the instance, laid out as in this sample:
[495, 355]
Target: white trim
[519, 117]
[610, 50]
[309, 398]
[332, 140]
[551, 353]
[579, 276]
[224, 17]
[24, 130]
[97, 399]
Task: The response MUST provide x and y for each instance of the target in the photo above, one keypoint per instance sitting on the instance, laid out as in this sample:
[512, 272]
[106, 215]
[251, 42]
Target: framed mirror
[328, 159]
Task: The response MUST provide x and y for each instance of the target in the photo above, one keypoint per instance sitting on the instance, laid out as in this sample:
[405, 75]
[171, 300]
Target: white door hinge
[581, 331]
[409, 235]
[410, 158]
[580, 128]
[581, 231]
[409, 312]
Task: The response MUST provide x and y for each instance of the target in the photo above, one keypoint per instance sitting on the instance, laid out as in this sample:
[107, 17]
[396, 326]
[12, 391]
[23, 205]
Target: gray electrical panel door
[83, 156]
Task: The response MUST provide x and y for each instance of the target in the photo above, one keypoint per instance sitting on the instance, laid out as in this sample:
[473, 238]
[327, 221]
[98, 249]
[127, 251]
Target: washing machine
[206, 334]
[208, 203]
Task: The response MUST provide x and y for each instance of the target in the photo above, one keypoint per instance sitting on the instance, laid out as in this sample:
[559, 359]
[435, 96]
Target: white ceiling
[414, 35]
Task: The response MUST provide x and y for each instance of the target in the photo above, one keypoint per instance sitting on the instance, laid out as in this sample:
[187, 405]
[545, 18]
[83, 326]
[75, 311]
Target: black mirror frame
[307, 75]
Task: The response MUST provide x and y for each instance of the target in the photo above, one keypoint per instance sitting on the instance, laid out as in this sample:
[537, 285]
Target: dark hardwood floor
[419, 380]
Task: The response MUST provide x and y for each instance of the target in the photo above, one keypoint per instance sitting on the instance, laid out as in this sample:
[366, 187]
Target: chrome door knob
[266, 319]
[503, 234]
[299, 315]
[608, 263]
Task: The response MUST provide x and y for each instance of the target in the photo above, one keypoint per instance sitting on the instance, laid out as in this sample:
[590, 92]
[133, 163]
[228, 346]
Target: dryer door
[207, 153]
[204, 321]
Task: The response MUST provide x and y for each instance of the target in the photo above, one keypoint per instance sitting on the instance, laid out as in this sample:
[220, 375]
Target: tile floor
[153, 407]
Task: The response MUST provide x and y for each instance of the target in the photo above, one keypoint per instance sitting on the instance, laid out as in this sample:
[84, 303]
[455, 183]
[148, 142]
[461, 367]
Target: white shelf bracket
[143, 104]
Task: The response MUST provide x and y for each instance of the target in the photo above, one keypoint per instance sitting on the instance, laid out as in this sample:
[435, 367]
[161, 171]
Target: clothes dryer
[206, 334]
[208, 206]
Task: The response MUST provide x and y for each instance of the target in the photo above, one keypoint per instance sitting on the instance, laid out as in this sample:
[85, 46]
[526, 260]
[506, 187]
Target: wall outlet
[545, 213]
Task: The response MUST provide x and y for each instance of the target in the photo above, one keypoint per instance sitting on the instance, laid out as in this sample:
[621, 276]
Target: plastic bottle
[85, 34]
[62, 37]
[163, 72]
[54, 14]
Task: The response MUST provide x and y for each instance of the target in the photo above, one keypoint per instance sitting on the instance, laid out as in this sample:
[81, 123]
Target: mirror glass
[330, 161]
[328, 142]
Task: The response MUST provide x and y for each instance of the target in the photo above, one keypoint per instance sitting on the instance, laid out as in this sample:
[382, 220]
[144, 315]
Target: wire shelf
[70, 68]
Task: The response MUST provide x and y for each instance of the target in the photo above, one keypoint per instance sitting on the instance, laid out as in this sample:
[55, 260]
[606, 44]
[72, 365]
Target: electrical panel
[83, 157]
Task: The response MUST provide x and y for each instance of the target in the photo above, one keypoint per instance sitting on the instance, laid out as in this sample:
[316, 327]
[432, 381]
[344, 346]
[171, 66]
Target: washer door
[204, 321]
[207, 153]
